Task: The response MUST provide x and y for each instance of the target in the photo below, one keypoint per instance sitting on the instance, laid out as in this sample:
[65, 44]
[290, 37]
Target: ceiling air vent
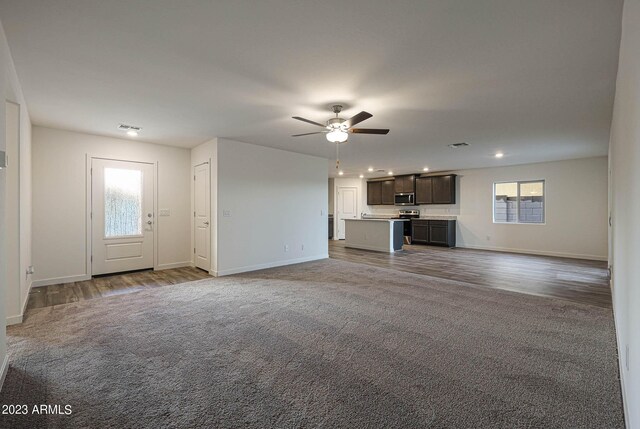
[124, 127]
[458, 145]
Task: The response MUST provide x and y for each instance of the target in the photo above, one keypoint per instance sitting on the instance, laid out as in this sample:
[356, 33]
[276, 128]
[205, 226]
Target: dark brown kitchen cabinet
[436, 189]
[380, 193]
[424, 194]
[388, 194]
[405, 184]
[444, 189]
[374, 193]
[433, 232]
[419, 232]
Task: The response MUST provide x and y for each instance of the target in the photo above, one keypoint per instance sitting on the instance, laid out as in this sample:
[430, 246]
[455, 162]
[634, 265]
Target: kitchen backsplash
[425, 210]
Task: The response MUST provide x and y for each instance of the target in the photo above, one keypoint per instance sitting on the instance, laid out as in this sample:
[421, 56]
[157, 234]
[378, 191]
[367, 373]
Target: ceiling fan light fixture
[337, 136]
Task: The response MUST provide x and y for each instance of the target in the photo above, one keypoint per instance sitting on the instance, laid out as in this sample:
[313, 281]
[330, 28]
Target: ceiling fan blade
[308, 134]
[356, 119]
[308, 121]
[368, 131]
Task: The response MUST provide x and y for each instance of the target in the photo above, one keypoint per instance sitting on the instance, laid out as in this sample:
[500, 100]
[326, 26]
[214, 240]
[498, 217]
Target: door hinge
[194, 214]
[91, 258]
[194, 177]
[194, 250]
[91, 215]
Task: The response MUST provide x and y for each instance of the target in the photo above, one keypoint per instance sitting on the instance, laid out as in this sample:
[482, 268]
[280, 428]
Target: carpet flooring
[321, 344]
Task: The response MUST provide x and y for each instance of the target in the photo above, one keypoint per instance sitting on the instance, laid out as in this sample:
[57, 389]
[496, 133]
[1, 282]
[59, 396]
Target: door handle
[206, 223]
[149, 222]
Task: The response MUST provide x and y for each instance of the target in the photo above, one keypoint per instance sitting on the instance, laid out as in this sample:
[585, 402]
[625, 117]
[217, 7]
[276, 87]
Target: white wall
[331, 196]
[15, 200]
[624, 153]
[22, 161]
[274, 198]
[4, 60]
[60, 201]
[12, 213]
[576, 209]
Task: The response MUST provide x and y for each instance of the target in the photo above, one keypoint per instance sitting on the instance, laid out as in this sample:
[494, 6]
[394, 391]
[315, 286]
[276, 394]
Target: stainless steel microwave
[404, 199]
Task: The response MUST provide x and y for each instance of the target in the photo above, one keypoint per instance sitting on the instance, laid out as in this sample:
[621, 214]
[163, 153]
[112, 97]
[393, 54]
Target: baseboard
[256, 267]
[621, 355]
[26, 297]
[60, 280]
[537, 252]
[14, 320]
[173, 265]
[3, 370]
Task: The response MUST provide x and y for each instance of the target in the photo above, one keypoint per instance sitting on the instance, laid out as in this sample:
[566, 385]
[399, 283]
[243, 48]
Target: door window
[122, 202]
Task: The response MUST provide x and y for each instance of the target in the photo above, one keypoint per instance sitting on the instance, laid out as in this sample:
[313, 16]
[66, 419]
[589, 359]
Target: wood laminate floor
[104, 286]
[575, 280]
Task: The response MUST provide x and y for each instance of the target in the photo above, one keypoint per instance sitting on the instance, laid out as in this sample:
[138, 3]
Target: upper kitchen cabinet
[374, 193]
[388, 194]
[436, 189]
[405, 184]
[444, 189]
[424, 193]
[380, 193]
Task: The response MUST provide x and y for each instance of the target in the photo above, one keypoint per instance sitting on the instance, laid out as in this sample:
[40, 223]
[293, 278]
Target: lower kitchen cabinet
[434, 232]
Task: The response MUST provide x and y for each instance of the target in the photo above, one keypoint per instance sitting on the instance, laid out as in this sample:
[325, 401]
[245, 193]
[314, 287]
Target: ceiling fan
[338, 129]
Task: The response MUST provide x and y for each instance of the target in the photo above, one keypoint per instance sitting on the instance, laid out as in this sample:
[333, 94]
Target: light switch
[226, 213]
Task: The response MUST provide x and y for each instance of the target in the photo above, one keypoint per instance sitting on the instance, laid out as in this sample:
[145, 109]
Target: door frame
[88, 203]
[193, 219]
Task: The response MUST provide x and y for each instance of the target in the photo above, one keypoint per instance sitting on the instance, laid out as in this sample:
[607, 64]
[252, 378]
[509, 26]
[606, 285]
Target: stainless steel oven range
[408, 214]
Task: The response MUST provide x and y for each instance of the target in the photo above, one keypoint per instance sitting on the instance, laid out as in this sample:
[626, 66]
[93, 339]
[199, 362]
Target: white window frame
[518, 183]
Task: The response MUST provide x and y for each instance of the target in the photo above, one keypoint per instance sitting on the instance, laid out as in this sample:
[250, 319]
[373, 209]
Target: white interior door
[122, 218]
[201, 214]
[347, 207]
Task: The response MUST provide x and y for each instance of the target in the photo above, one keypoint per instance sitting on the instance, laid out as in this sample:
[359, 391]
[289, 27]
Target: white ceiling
[534, 79]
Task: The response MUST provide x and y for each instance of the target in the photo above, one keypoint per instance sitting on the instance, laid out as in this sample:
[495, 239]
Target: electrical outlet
[286, 247]
[488, 237]
[321, 212]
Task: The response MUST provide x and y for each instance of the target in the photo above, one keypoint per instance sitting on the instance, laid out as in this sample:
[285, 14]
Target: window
[518, 202]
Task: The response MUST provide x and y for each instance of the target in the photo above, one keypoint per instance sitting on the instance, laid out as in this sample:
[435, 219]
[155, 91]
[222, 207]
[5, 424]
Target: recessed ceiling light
[425, 169]
[132, 133]
[340, 173]
[362, 176]
[370, 169]
[499, 155]
[390, 173]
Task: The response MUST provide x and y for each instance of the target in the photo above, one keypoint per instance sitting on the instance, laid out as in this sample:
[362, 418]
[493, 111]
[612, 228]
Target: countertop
[436, 217]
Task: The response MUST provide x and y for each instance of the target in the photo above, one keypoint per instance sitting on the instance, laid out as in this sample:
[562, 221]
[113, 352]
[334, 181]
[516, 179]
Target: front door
[122, 218]
[347, 207]
[202, 234]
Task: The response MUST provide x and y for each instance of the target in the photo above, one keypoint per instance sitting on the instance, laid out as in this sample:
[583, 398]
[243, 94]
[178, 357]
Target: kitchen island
[382, 235]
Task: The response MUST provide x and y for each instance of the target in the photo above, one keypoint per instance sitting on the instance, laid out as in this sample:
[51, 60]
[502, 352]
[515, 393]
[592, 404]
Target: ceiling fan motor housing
[335, 123]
